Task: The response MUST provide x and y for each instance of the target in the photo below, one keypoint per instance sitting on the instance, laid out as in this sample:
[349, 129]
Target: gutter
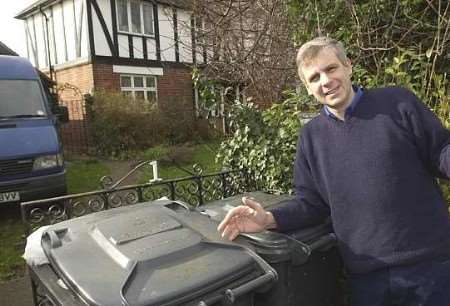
[43, 4]
[35, 7]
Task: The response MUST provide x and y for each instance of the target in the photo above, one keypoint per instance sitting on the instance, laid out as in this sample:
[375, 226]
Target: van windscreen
[21, 99]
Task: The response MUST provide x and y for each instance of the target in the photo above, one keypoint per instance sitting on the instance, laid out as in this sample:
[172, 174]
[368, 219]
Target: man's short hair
[309, 50]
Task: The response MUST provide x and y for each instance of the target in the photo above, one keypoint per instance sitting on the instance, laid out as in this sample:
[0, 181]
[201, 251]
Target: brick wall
[104, 77]
[175, 91]
[79, 76]
[175, 88]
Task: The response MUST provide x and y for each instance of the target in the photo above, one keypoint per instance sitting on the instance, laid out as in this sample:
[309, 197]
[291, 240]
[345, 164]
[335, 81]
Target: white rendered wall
[59, 34]
[101, 44]
[69, 23]
[40, 41]
[82, 27]
[199, 49]
[29, 31]
[68, 34]
[184, 36]
[69, 42]
[151, 49]
[123, 46]
[51, 43]
[138, 47]
[166, 33]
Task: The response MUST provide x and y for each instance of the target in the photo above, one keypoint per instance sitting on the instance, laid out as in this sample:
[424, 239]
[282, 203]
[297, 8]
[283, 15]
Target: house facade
[142, 47]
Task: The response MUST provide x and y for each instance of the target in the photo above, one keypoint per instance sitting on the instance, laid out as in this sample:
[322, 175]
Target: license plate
[12, 196]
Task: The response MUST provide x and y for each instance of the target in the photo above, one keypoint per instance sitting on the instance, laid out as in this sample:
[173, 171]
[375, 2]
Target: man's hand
[248, 218]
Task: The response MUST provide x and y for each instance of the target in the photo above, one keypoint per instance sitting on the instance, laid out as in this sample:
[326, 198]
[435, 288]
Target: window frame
[130, 23]
[132, 89]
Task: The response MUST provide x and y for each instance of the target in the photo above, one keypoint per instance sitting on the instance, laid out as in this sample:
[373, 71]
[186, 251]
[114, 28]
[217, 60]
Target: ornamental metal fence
[194, 190]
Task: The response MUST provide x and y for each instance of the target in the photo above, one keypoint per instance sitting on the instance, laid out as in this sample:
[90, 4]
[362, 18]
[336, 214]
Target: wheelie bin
[307, 261]
[152, 254]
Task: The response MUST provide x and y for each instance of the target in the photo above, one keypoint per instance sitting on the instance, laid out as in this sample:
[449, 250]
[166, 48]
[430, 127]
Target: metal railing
[194, 190]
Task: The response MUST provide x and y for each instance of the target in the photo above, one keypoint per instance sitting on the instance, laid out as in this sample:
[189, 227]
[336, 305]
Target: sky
[12, 31]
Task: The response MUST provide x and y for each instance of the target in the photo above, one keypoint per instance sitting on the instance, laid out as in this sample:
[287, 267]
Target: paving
[16, 292]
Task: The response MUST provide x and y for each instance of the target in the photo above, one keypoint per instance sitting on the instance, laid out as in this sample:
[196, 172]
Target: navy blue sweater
[375, 175]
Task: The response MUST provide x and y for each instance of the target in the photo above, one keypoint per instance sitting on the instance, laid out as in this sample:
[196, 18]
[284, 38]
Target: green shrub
[121, 126]
[264, 142]
[179, 122]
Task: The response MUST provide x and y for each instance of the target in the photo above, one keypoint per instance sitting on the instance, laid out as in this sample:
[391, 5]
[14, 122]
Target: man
[369, 160]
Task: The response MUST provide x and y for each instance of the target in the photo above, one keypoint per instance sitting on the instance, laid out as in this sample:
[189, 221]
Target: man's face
[328, 79]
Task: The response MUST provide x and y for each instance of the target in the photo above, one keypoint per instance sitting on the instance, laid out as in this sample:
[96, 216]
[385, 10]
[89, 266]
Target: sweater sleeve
[431, 137]
[307, 208]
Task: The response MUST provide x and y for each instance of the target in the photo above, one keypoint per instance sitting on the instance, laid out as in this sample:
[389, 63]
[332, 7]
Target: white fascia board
[138, 70]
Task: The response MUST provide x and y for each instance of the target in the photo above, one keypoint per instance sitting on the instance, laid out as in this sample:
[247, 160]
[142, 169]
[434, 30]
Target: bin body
[307, 261]
[152, 254]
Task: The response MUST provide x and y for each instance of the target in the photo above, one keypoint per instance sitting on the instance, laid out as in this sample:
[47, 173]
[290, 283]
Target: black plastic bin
[150, 254]
[307, 261]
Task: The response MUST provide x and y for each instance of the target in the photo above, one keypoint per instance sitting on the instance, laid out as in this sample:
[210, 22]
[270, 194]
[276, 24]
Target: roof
[4, 50]
[34, 7]
[15, 67]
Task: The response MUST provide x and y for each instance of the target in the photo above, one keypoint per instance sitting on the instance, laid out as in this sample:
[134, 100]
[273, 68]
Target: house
[146, 48]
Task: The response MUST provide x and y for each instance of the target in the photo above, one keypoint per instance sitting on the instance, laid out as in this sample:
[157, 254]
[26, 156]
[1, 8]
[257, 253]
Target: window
[135, 17]
[139, 87]
[122, 15]
[147, 10]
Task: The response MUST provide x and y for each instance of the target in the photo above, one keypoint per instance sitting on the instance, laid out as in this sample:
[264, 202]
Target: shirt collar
[351, 108]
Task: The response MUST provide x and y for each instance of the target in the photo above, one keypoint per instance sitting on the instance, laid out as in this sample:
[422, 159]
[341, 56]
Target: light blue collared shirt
[351, 108]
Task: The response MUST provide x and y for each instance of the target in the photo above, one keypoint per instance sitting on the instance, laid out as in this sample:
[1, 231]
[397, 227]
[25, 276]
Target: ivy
[264, 141]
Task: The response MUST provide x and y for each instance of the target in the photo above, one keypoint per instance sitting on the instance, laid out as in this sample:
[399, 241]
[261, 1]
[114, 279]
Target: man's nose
[324, 79]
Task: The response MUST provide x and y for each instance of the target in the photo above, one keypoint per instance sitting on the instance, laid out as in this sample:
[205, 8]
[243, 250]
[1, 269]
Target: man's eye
[314, 79]
[332, 69]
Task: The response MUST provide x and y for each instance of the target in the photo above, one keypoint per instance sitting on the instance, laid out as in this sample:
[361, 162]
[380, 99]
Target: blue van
[31, 159]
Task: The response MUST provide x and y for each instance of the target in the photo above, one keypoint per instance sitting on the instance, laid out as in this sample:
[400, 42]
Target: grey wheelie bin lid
[150, 254]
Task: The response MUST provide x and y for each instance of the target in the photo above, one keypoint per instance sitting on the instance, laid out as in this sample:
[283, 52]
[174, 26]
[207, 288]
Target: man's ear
[349, 67]
[308, 90]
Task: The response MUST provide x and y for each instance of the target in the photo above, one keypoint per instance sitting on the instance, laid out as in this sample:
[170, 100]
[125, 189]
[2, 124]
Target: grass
[84, 175]
[178, 161]
[11, 248]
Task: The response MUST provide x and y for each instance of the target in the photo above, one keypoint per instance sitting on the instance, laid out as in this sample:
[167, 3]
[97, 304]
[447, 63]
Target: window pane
[151, 96]
[122, 15]
[21, 97]
[135, 17]
[139, 95]
[150, 82]
[125, 81]
[148, 18]
[138, 82]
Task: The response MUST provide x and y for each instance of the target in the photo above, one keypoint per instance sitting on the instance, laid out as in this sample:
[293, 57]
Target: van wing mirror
[62, 113]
